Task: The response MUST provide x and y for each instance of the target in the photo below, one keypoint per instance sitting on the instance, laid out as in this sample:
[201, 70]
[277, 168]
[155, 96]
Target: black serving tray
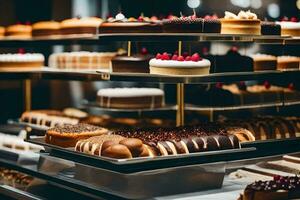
[143, 164]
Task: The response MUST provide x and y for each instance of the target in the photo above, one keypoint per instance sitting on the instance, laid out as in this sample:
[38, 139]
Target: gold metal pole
[27, 94]
[180, 105]
[129, 48]
[179, 48]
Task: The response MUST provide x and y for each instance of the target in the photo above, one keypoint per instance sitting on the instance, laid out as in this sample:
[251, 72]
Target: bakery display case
[191, 111]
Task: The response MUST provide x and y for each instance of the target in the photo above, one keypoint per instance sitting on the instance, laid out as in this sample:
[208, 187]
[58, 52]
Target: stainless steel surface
[18, 194]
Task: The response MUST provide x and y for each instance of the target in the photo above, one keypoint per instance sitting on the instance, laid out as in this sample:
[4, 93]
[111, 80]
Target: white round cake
[28, 60]
[165, 64]
[130, 98]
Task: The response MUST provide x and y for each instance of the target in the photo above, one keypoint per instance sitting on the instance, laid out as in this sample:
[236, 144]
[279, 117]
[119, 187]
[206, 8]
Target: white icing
[263, 56]
[242, 15]
[179, 64]
[129, 92]
[289, 25]
[120, 16]
[27, 57]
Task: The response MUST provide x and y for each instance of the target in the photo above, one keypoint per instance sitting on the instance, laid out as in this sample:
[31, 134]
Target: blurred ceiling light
[298, 4]
[241, 3]
[194, 3]
[256, 4]
[273, 10]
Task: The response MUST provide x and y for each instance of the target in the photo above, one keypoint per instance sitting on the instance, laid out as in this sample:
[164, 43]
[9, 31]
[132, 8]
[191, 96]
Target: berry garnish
[180, 58]
[144, 51]
[165, 56]
[215, 16]
[267, 85]
[185, 54]
[207, 17]
[291, 86]
[174, 57]
[195, 57]
[27, 23]
[21, 51]
[294, 19]
[158, 56]
[219, 85]
[234, 49]
[141, 18]
[188, 58]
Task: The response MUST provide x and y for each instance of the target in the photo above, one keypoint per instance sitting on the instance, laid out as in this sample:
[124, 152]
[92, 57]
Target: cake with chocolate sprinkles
[278, 188]
[67, 135]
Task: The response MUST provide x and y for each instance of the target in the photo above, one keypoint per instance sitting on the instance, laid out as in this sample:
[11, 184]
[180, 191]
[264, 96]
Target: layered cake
[68, 135]
[130, 98]
[232, 61]
[47, 118]
[18, 31]
[264, 62]
[114, 146]
[288, 63]
[184, 140]
[120, 24]
[85, 25]
[192, 24]
[81, 60]
[270, 28]
[290, 28]
[45, 28]
[131, 64]
[165, 64]
[27, 60]
[245, 23]
[280, 188]
[2, 31]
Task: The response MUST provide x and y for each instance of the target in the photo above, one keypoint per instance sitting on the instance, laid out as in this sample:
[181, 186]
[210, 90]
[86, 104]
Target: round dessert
[192, 24]
[130, 98]
[290, 28]
[81, 60]
[68, 135]
[277, 189]
[262, 62]
[86, 25]
[288, 63]
[16, 61]
[132, 64]
[270, 28]
[245, 23]
[2, 31]
[164, 64]
[114, 146]
[120, 24]
[18, 31]
[45, 28]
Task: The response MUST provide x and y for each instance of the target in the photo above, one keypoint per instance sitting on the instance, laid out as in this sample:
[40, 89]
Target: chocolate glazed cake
[184, 140]
[270, 28]
[280, 188]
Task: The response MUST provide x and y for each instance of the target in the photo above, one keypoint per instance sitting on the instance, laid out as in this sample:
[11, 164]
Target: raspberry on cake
[45, 28]
[245, 23]
[166, 64]
[68, 135]
[129, 98]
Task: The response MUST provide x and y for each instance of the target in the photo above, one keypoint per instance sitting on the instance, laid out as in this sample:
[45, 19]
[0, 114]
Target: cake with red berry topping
[280, 188]
[166, 64]
[290, 28]
[245, 23]
[120, 24]
[192, 24]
